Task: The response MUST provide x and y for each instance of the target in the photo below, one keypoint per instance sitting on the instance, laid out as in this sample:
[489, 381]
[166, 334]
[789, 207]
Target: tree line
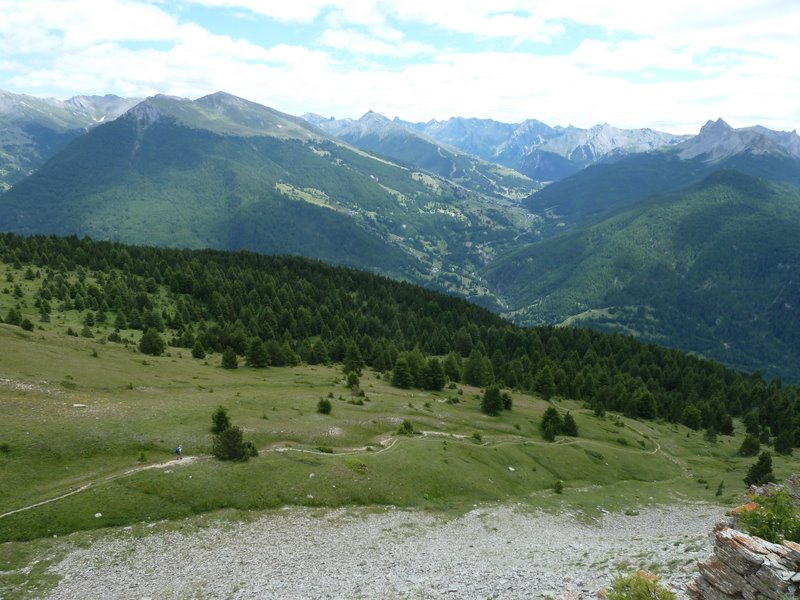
[281, 310]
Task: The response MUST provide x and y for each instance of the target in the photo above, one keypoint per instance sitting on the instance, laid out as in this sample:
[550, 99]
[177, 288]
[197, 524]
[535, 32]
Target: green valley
[708, 269]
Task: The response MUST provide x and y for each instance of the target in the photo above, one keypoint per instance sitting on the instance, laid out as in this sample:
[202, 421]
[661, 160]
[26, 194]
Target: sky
[670, 66]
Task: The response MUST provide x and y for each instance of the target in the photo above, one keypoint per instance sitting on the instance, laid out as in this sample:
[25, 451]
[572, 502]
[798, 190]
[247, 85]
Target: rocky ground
[497, 552]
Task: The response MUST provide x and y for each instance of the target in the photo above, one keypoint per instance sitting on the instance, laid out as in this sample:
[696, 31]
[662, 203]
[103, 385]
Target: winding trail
[386, 443]
[86, 486]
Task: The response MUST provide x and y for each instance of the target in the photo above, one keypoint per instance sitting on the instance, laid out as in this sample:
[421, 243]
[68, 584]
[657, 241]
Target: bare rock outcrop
[747, 567]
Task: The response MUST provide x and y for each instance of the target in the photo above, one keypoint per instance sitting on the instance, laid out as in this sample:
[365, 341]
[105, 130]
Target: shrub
[406, 428]
[638, 586]
[776, 519]
[229, 445]
[558, 488]
[26, 324]
[324, 406]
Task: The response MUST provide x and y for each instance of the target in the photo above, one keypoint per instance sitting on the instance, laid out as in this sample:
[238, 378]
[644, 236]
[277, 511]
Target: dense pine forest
[278, 310]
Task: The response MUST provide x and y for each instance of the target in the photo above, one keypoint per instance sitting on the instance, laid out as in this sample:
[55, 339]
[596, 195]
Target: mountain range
[34, 129]
[688, 241]
[227, 173]
[537, 150]
[384, 137]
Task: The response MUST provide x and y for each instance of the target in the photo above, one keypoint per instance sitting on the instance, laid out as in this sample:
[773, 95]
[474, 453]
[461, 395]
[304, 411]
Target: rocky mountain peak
[717, 141]
[146, 112]
[373, 118]
[715, 128]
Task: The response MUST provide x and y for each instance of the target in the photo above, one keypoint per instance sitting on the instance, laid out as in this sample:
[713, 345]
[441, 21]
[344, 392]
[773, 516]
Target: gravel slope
[492, 552]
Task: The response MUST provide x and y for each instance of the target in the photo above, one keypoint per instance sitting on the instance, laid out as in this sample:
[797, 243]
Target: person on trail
[179, 452]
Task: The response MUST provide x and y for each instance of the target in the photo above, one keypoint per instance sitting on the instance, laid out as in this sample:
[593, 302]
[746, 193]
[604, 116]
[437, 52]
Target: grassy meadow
[89, 428]
[77, 412]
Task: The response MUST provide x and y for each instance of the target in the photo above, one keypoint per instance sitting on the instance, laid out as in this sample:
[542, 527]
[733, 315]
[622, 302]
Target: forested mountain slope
[293, 309]
[615, 184]
[226, 173]
[34, 129]
[710, 269]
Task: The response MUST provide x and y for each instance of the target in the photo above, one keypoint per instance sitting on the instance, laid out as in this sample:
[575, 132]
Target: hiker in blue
[179, 452]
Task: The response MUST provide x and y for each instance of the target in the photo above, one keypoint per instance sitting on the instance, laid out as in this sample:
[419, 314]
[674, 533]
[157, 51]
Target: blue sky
[665, 65]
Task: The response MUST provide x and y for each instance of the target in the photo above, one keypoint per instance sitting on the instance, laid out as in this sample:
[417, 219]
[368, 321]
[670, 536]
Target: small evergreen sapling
[760, 472]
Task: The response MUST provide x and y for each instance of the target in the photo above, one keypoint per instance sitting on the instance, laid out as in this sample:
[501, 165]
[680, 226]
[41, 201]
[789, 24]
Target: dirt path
[386, 443]
[174, 462]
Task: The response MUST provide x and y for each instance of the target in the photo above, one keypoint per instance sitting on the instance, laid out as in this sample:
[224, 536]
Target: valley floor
[490, 552]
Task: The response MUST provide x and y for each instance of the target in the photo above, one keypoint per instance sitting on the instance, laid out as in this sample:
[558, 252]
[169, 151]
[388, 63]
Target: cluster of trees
[554, 424]
[277, 310]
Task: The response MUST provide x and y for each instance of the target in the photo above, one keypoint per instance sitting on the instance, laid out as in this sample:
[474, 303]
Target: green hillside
[85, 403]
[601, 190]
[221, 172]
[34, 129]
[378, 135]
[708, 269]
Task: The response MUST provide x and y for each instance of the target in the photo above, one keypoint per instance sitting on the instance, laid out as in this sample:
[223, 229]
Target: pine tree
[198, 351]
[551, 425]
[151, 343]
[492, 402]
[750, 446]
[401, 375]
[434, 375]
[691, 417]
[257, 354]
[784, 442]
[545, 383]
[761, 471]
[220, 420]
[569, 426]
[645, 404]
[229, 359]
[229, 445]
[452, 367]
[353, 361]
[477, 370]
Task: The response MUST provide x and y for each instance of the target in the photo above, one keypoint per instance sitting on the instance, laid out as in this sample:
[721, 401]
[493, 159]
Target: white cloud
[357, 42]
[739, 59]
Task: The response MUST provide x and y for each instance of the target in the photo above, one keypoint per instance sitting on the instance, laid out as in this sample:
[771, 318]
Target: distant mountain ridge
[601, 189]
[615, 245]
[226, 173]
[717, 141]
[34, 129]
[378, 134]
[543, 152]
